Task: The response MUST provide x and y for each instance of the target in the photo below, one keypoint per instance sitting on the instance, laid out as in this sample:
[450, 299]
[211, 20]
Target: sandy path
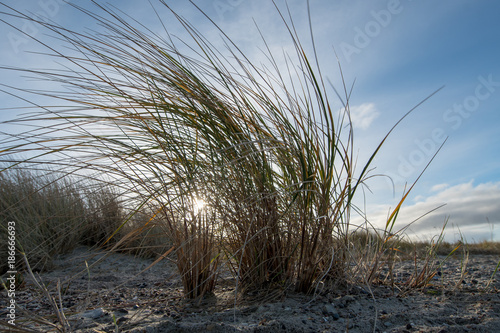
[152, 302]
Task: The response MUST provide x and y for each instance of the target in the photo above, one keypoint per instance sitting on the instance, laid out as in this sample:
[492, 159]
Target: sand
[114, 296]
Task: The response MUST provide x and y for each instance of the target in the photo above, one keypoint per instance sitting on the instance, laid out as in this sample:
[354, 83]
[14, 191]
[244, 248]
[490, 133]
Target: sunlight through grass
[271, 152]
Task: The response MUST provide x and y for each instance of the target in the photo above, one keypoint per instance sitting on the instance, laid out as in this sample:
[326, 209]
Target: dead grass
[54, 214]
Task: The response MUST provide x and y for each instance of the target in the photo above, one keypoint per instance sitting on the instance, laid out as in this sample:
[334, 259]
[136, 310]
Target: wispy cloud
[439, 187]
[363, 115]
[471, 210]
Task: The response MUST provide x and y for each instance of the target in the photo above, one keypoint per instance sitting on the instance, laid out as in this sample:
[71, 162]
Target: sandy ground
[114, 296]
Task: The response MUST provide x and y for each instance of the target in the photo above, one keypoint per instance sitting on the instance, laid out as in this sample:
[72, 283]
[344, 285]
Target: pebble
[93, 314]
[329, 310]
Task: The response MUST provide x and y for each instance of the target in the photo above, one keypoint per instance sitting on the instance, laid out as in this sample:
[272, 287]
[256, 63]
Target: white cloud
[363, 115]
[471, 210]
[439, 187]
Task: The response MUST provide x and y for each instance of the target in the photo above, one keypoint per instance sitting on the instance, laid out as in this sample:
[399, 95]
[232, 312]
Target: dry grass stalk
[64, 325]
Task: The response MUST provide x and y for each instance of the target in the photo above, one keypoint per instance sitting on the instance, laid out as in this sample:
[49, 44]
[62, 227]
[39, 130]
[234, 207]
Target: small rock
[329, 310]
[94, 314]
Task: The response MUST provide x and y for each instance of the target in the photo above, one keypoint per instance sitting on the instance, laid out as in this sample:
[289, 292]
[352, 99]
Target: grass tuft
[162, 124]
[53, 214]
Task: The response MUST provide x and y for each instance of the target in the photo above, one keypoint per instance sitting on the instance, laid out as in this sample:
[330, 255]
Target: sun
[198, 205]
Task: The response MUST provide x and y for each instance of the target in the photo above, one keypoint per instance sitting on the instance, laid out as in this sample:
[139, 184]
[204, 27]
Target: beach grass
[52, 214]
[158, 130]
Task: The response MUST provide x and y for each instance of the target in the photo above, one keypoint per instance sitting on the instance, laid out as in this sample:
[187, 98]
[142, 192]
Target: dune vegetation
[176, 148]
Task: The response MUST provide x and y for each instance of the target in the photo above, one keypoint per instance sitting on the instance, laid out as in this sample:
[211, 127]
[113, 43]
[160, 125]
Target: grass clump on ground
[269, 153]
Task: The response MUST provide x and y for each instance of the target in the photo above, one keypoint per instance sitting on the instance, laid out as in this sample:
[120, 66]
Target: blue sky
[398, 52]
